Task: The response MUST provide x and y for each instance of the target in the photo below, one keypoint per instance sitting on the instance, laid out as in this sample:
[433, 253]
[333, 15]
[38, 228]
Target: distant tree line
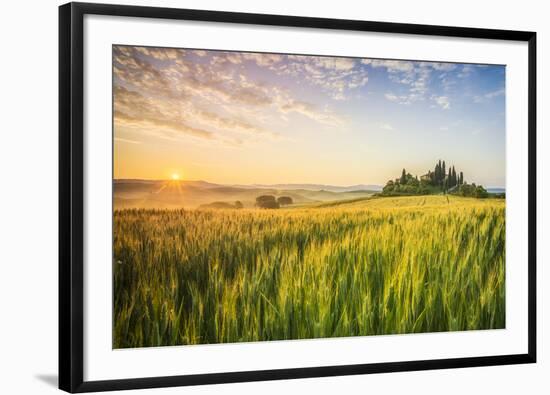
[440, 180]
[472, 190]
[269, 201]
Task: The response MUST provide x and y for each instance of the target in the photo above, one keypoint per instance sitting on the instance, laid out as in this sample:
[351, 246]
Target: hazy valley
[193, 194]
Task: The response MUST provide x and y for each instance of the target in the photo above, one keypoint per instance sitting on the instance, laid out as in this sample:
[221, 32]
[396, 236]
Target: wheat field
[366, 267]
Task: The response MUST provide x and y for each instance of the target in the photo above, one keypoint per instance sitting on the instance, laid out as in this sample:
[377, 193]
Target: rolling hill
[316, 187]
[192, 194]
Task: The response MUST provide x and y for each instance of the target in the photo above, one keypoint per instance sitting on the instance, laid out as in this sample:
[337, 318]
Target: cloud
[489, 95]
[416, 79]
[385, 126]
[123, 140]
[413, 76]
[311, 111]
[171, 118]
[237, 58]
[496, 93]
[447, 82]
[213, 95]
[182, 78]
[171, 127]
[333, 63]
[161, 53]
[443, 66]
[401, 99]
[337, 76]
[466, 71]
[390, 65]
[263, 60]
[442, 101]
[128, 66]
[222, 123]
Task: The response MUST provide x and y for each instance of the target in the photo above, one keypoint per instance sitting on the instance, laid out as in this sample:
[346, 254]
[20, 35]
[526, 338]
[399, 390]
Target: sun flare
[175, 176]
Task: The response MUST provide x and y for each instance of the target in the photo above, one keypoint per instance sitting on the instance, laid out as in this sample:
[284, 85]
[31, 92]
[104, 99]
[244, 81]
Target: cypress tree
[403, 177]
[454, 182]
[444, 172]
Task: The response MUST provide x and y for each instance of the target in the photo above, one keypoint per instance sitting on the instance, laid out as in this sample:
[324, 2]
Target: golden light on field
[395, 266]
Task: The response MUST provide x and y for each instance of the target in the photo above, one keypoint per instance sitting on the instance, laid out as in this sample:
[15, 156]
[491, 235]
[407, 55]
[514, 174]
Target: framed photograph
[250, 197]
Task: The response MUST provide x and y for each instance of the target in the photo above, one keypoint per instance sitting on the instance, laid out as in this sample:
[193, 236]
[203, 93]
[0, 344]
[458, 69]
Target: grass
[368, 267]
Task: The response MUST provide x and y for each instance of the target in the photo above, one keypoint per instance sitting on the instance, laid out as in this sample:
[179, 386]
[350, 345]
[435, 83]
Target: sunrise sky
[244, 118]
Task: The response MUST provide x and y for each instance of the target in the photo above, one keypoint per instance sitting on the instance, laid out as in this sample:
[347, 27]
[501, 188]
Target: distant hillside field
[193, 194]
[356, 266]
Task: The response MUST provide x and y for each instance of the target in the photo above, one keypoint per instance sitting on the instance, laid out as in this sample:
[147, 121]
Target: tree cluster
[269, 201]
[472, 190]
[441, 179]
[406, 185]
[445, 179]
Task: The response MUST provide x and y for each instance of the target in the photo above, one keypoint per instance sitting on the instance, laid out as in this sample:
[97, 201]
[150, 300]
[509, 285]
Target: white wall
[28, 195]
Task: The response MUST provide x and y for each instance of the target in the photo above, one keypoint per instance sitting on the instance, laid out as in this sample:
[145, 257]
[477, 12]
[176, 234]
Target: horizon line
[272, 184]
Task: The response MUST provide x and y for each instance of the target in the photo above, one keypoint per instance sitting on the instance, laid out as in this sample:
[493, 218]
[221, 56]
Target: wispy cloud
[443, 66]
[496, 93]
[401, 99]
[312, 112]
[413, 76]
[442, 101]
[338, 77]
[390, 65]
[129, 141]
[489, 95]
[171, 127]
[466, 71]
[208, 95]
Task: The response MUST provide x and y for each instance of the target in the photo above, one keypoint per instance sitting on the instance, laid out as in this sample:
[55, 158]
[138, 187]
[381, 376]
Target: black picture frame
[71, 197]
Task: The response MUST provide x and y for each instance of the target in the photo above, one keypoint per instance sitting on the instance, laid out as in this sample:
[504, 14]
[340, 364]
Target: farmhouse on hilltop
[426, 177]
